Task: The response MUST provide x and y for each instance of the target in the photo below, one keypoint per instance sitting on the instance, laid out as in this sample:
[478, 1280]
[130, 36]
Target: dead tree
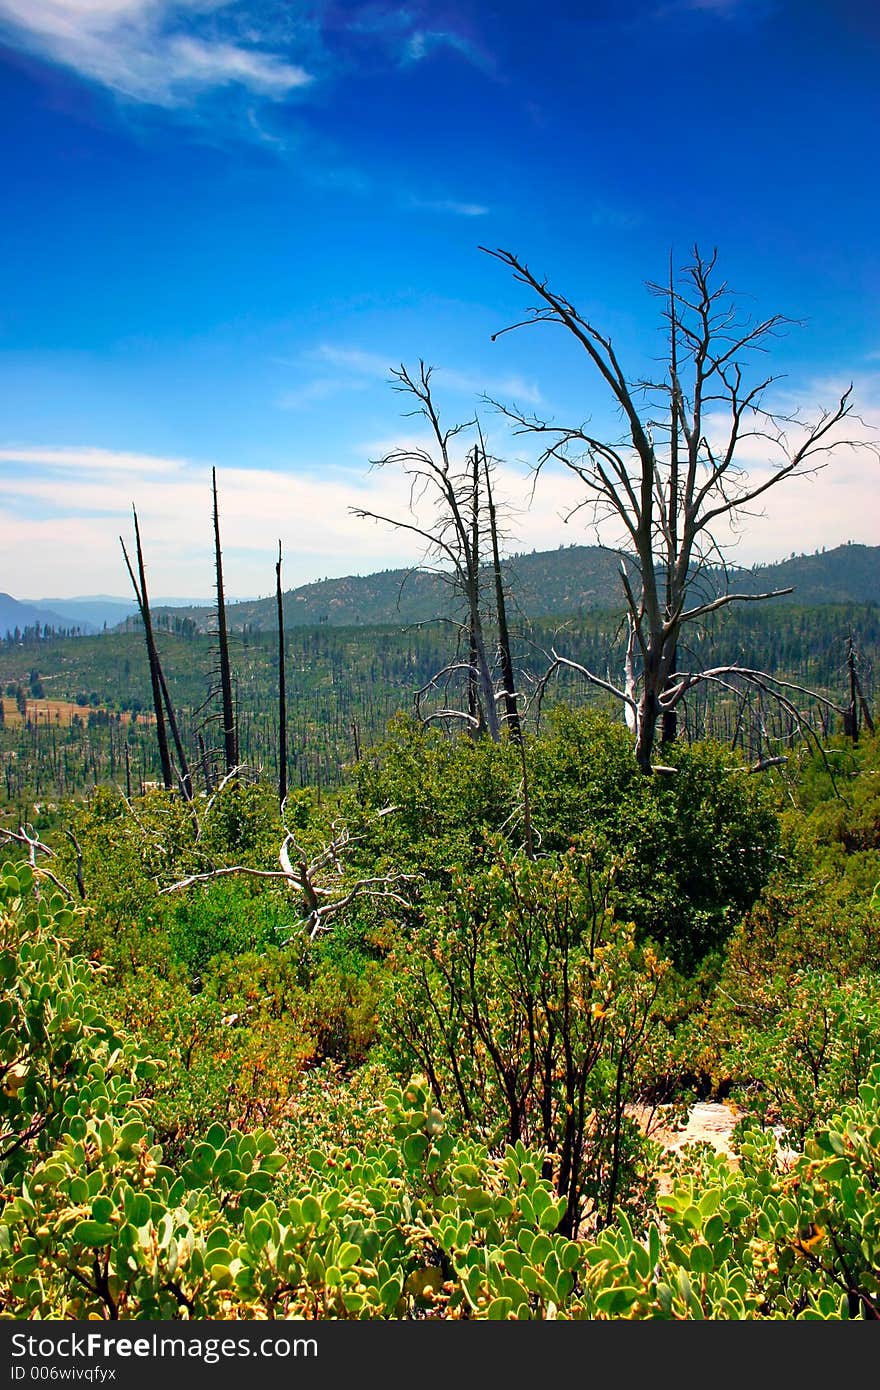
[505, 655]
[317, 878]
[453, 543]
[675, 475]
[186, 784]
[230, 741]
[143, 603]
[857, 701]
[157, 677]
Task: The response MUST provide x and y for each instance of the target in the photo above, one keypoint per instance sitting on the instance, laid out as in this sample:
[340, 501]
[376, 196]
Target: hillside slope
[15, 614]
[573, 579]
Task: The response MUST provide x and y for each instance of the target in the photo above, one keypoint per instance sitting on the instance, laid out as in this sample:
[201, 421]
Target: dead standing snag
[675, 476]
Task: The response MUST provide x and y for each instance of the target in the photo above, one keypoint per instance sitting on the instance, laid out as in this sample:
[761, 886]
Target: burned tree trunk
[206, 766]
[186, 784]
[140, 593]
[511, 710]
[669, 718]
[857, 701]
[230, 743]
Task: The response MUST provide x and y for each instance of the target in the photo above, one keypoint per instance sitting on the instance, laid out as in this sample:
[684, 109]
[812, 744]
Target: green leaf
[93, 1233]
[498, 1309]
[702, 1260]
[391, 1291]
[311, 1209]
[347, 1255]
[102, 1210]
[414, 1148]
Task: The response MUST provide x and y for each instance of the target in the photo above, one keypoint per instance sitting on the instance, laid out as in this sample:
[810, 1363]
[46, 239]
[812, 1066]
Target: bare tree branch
[318, 878]
[677, 473]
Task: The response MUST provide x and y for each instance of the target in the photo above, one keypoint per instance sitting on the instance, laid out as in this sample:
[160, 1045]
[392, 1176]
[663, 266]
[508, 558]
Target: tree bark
[143, 602]
[511, 709]
[230, 743]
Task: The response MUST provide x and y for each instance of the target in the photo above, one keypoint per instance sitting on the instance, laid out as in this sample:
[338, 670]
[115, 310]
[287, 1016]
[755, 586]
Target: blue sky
[227, 219]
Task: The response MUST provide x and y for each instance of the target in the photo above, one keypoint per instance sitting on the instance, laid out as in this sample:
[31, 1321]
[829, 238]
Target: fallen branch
[35, 846]
[322, 901]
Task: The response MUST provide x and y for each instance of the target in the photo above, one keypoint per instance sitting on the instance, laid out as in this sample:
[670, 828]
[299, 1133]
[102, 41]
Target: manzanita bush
[417, 1223]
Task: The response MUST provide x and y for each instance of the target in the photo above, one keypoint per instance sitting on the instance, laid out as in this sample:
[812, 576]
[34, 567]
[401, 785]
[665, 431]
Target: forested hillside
[569, 581]
[91, 721]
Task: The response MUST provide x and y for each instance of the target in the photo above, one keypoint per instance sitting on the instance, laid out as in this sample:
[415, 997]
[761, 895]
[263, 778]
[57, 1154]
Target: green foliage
[410, 1222]
[790, 1019]
[535, 1017]
[228, 917]
[59, 1053]
[692, 849]
[809, 1050]
[447, 792]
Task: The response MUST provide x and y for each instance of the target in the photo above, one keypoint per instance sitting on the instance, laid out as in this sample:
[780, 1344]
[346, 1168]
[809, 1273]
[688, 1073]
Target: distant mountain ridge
[88, 612]
[92, 611]
[16, 614]
[542, 584]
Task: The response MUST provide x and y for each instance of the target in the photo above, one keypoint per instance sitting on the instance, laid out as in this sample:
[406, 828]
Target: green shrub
[534, 1016]
[59, 1052]
[408, 1221]
[693, 848]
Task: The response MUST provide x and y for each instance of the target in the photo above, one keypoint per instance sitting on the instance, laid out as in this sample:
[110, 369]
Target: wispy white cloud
[61, 522]
[62, 508]
[160, 52]
[319, 389]
[360, 368]
[720, 9]
[168, 53]
[618, 219]
[370, 363]
[506, 388]
[86, 460]
[451, 205]
[422, 43]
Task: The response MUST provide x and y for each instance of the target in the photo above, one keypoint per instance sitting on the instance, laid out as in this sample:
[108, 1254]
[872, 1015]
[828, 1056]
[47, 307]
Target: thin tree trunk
[475, 709]
[479, 660]
[143, 602]
[473, 700]
[229, 733]
[669, 721]
[851, 718]
[206, 766]
[186, 785]
[511, 709]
